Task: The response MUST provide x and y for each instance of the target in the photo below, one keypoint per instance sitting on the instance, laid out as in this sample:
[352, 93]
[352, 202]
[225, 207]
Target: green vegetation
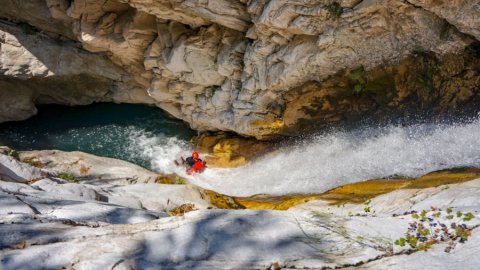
[426, 80]
[28, 28]
[334, 9]
[400, 242]
[68, 177]
[367, 208]
[14, 154]
[357, 75]
[210, 92]
[420, 50]
[428, 229]
[179, 181]
[468, 216]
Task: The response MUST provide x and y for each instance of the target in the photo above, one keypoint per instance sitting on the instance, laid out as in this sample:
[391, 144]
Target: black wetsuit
[190, 161]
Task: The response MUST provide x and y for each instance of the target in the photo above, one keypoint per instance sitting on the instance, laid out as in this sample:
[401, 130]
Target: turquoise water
[104, 129]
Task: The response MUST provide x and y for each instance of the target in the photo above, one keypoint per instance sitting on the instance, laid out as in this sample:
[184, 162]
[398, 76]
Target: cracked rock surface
[117, 223]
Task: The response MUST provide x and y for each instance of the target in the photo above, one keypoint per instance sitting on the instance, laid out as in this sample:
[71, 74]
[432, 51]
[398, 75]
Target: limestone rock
[225, 152]
[87, 167]
[258, 68]
[37, 69]
[14, 170]
[50, 224]
[229, 13]
[461, 14]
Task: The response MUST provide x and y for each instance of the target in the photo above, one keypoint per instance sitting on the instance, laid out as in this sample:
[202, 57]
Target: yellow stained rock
[351, 193]
[230, 152]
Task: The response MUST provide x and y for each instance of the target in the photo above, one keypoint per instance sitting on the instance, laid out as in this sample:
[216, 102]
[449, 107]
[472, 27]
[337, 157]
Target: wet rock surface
[57, 222]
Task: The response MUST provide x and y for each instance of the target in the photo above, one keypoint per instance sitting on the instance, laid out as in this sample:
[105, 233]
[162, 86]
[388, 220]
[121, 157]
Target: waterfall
[329, 160]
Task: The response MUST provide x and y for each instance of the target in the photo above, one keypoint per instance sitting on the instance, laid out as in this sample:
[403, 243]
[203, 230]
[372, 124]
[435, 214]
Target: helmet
[195, 155]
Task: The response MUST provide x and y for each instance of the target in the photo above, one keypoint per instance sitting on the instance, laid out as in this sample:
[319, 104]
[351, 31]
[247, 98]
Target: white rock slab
[14, 170]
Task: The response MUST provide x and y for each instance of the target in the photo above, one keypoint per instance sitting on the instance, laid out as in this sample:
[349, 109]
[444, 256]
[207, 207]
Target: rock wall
[260, 67]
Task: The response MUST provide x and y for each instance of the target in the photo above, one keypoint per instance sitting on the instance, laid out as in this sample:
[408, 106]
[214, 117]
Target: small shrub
[211, 91]
[468, 216]
[400, 242]
[420, 50]
[14, 154]
[334, 9]
[428, 229]
[367, 208]
[358, 88]
[68, 177]
[33, 161]
[357, 75]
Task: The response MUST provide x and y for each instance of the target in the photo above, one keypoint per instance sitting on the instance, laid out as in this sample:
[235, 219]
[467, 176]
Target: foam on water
[327, 161]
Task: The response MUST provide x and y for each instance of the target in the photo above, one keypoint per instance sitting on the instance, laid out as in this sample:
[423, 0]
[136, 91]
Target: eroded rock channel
[337, 134]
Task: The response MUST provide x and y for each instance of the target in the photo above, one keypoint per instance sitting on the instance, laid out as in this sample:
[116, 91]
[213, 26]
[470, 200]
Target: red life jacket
[197, 167]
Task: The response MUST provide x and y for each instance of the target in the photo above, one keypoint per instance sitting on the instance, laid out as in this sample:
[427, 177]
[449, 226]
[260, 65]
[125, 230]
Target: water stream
[144, 135]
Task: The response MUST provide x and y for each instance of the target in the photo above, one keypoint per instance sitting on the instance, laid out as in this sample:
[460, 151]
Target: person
[194, 164]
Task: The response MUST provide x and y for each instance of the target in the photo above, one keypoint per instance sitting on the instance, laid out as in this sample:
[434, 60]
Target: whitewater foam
[330, 160]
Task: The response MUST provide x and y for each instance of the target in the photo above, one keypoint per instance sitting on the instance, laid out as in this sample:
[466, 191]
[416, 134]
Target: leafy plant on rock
[335, 10]
[357, 75]
[68, 177]
[429, 229]
[14, 154]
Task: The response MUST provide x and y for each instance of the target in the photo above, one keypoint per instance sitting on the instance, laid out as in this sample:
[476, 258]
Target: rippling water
[104, 129]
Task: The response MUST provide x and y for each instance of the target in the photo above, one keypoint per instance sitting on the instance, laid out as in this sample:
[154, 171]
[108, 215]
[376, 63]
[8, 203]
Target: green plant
[426, 80]
[14, 154]
[367, 206]
[358, 88]
[420, 50]
[334, 9]
[28, 29]
[424, 247]
[400, 242]
[468, 216]
[357, 75]
[179, 181]
[463, 234]
[68, 177]
[428, 229]
[412, 241]
[423, 214]
[211, 91]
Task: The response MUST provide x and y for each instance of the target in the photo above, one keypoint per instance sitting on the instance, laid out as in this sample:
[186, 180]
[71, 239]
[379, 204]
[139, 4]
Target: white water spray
[327, 161]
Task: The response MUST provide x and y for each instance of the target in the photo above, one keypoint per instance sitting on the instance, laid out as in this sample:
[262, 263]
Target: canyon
[256, 68]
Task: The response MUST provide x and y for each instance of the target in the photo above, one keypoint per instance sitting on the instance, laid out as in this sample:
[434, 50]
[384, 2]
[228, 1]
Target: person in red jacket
[196, 165]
